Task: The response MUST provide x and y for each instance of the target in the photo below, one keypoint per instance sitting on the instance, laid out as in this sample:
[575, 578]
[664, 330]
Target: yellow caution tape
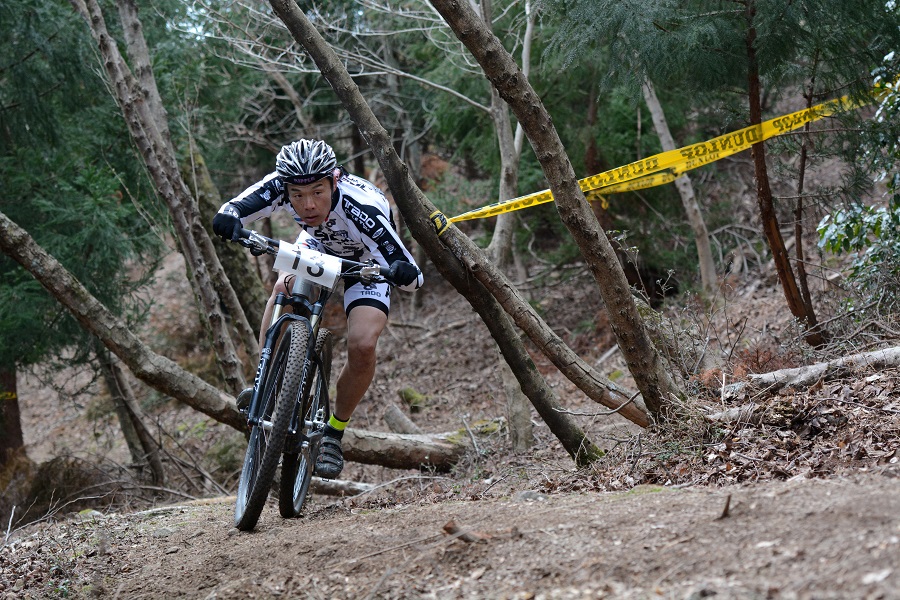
[667, 166]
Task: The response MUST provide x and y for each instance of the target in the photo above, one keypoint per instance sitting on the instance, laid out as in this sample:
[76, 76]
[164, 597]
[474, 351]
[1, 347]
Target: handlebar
[367, 272]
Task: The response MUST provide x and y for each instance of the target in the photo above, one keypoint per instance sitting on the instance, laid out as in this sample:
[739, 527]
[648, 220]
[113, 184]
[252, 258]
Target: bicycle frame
[291, 437]
[314, 272]
[300, 299]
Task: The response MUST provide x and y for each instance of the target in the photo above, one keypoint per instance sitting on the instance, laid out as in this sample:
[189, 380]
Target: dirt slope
[796, 539]
[814, 510]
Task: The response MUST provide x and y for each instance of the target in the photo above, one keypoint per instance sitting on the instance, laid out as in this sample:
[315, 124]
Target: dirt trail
[837, 538]
[833, 536]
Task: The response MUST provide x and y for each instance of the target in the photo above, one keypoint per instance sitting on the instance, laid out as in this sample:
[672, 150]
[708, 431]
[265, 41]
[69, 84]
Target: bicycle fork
[315, 426]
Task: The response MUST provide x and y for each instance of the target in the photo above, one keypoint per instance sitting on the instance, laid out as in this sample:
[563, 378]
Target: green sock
[335, 427]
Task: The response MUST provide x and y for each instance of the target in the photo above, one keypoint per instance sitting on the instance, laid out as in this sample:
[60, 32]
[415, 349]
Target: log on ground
[405, 450]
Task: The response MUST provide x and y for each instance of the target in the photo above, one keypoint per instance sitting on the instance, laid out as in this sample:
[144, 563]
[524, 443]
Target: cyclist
[342, 215]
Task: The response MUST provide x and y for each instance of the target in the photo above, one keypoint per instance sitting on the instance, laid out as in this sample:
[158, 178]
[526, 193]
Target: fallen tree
[798, 378]
[399, 451]
[155, 370]
[803, 377]
[405, 450]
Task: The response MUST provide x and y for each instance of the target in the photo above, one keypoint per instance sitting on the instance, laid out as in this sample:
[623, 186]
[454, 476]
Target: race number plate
[308, 264]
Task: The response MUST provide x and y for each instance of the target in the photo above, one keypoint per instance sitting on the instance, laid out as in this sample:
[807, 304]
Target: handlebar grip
[244, 233]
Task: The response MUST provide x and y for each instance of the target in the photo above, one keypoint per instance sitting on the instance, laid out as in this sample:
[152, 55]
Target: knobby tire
[297, 468]
[281, 389]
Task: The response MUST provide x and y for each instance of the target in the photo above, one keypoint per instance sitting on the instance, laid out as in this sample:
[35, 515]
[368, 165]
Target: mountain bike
[289, 406]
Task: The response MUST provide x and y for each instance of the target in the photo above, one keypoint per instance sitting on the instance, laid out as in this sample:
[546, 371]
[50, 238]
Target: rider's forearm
[255, 202]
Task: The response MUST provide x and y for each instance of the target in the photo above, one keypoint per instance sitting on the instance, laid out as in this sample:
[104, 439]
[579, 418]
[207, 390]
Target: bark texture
[686, 191]
[156, 371]
[644, 362]
[404, 450]
[137, 105]
[10, 417]
[241, 273]
[765, 202]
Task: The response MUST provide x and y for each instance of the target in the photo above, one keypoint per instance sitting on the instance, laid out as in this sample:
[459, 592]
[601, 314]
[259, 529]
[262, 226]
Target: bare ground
[803, 538]
[803, 504]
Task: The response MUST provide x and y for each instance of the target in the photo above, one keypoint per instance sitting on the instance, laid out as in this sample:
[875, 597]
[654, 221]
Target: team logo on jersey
[358, 216]
[377, 234]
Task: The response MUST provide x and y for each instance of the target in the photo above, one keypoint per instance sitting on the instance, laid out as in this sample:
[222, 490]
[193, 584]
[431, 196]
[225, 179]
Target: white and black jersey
[360, 226]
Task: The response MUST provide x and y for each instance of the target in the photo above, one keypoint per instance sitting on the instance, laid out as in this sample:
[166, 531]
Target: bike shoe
[330, 461]
[243, 399]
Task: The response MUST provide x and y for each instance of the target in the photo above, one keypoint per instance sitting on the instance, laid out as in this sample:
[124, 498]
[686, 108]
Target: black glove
[403, 273]
[227, 227]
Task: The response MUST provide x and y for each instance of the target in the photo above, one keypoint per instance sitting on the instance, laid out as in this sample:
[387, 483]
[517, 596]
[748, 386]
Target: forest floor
[804, 503]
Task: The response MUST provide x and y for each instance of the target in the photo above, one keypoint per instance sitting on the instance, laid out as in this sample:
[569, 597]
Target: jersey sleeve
[374, 220]
[257, 201]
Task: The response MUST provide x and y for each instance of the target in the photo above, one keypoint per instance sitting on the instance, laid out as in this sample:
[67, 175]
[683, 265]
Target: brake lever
[256, 243]
[370, 273]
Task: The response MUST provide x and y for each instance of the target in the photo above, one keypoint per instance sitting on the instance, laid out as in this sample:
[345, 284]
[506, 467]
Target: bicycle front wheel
[297, 468]
[280, 390]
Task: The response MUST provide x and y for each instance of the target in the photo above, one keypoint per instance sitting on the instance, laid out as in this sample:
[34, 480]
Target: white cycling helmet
[305, 161]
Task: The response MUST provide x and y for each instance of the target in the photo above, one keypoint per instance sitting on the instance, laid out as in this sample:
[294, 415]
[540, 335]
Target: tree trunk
[501, 247]
[143, 448]
[156, 371]
[767, 213]
[138, 456]
[404, 450]
[798, 211]
[137, 50]
[398, 422]
[241, 274]
[803, 377]
[139, 54]
[11, 440]
[200, 256]
[416, 208]
[644, 362]
[500, 251]
[464, 258]
[686, 191]
[518, 410]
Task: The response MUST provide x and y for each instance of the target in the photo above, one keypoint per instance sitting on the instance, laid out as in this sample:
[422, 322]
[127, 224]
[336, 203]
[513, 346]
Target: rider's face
[312, 202]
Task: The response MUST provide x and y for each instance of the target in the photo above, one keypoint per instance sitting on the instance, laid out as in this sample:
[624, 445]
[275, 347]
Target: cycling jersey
[359, 227]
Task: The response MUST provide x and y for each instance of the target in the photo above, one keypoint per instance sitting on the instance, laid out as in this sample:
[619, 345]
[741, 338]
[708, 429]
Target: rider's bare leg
[364, 326]
[270, 306]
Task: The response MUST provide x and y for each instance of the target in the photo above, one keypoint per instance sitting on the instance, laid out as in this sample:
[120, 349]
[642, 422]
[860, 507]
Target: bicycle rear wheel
[297, 468]
[279, 391]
